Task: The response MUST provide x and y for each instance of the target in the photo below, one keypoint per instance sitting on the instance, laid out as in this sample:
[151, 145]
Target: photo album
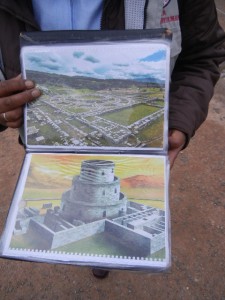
[93, 189]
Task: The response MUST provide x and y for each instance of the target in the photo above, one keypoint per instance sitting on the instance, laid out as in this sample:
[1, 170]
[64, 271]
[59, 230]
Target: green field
[54, 117]
[128, 116]
[152, 134]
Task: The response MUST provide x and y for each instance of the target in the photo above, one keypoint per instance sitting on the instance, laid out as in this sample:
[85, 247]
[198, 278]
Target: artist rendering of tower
[95, 194]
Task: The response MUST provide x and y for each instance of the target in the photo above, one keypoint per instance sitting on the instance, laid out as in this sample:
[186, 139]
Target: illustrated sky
[66, 165]
[135, 61]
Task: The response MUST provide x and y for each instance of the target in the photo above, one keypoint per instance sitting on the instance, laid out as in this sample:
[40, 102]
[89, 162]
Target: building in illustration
[95, 194]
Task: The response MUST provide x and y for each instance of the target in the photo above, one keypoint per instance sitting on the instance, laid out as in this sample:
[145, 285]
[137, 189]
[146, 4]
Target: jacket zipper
[145, 14]
[103, 7]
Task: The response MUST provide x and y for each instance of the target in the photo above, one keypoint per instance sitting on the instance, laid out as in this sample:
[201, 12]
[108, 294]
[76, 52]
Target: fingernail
[36, 93]
[29, 84]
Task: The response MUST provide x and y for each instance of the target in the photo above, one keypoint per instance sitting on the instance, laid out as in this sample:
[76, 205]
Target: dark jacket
[196, 69]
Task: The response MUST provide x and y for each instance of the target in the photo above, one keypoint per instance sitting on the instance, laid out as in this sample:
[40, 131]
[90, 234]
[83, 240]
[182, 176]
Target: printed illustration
[93, 205]
[97, 95]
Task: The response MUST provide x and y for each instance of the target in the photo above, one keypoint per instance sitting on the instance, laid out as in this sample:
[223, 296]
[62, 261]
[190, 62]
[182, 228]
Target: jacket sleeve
[196, 70]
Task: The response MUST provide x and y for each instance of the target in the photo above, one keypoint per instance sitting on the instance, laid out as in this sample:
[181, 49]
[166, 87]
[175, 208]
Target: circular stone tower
[95, 194]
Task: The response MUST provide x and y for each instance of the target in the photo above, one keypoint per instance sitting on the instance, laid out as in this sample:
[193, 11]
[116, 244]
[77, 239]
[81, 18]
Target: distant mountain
[142, 181]
[80, 82]
[154, 81]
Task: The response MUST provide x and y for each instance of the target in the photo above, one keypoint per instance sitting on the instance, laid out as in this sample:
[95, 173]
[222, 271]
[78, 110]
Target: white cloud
[121, 61]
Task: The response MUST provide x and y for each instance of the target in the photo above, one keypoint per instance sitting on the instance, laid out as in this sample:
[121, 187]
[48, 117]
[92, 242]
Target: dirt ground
[197, 203]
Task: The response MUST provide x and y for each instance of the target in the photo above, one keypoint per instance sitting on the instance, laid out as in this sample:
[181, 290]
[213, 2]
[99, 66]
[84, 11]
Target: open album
[93, 189]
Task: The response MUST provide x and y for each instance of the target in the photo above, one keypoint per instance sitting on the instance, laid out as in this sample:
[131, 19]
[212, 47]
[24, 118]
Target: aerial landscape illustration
[97, 96]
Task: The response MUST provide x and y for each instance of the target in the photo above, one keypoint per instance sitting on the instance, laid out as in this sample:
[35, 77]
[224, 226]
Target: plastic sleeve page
[99, 96]
[89, 209]
[14, 207]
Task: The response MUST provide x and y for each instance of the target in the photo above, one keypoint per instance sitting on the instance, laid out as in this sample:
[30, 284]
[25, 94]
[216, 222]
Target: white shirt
[68, 14]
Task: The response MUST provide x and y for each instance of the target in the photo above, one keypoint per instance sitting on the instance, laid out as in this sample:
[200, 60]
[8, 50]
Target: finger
[16, 124]
[176, 139]
[15, 101]
[15, 121]
[172, 157]
[9, 87]
[12, 116]
[176, 143]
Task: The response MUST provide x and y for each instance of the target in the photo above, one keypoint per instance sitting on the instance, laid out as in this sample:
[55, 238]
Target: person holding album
[196, 52]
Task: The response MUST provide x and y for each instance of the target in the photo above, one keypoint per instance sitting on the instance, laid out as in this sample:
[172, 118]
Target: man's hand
[14, 93]
[176, 143]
